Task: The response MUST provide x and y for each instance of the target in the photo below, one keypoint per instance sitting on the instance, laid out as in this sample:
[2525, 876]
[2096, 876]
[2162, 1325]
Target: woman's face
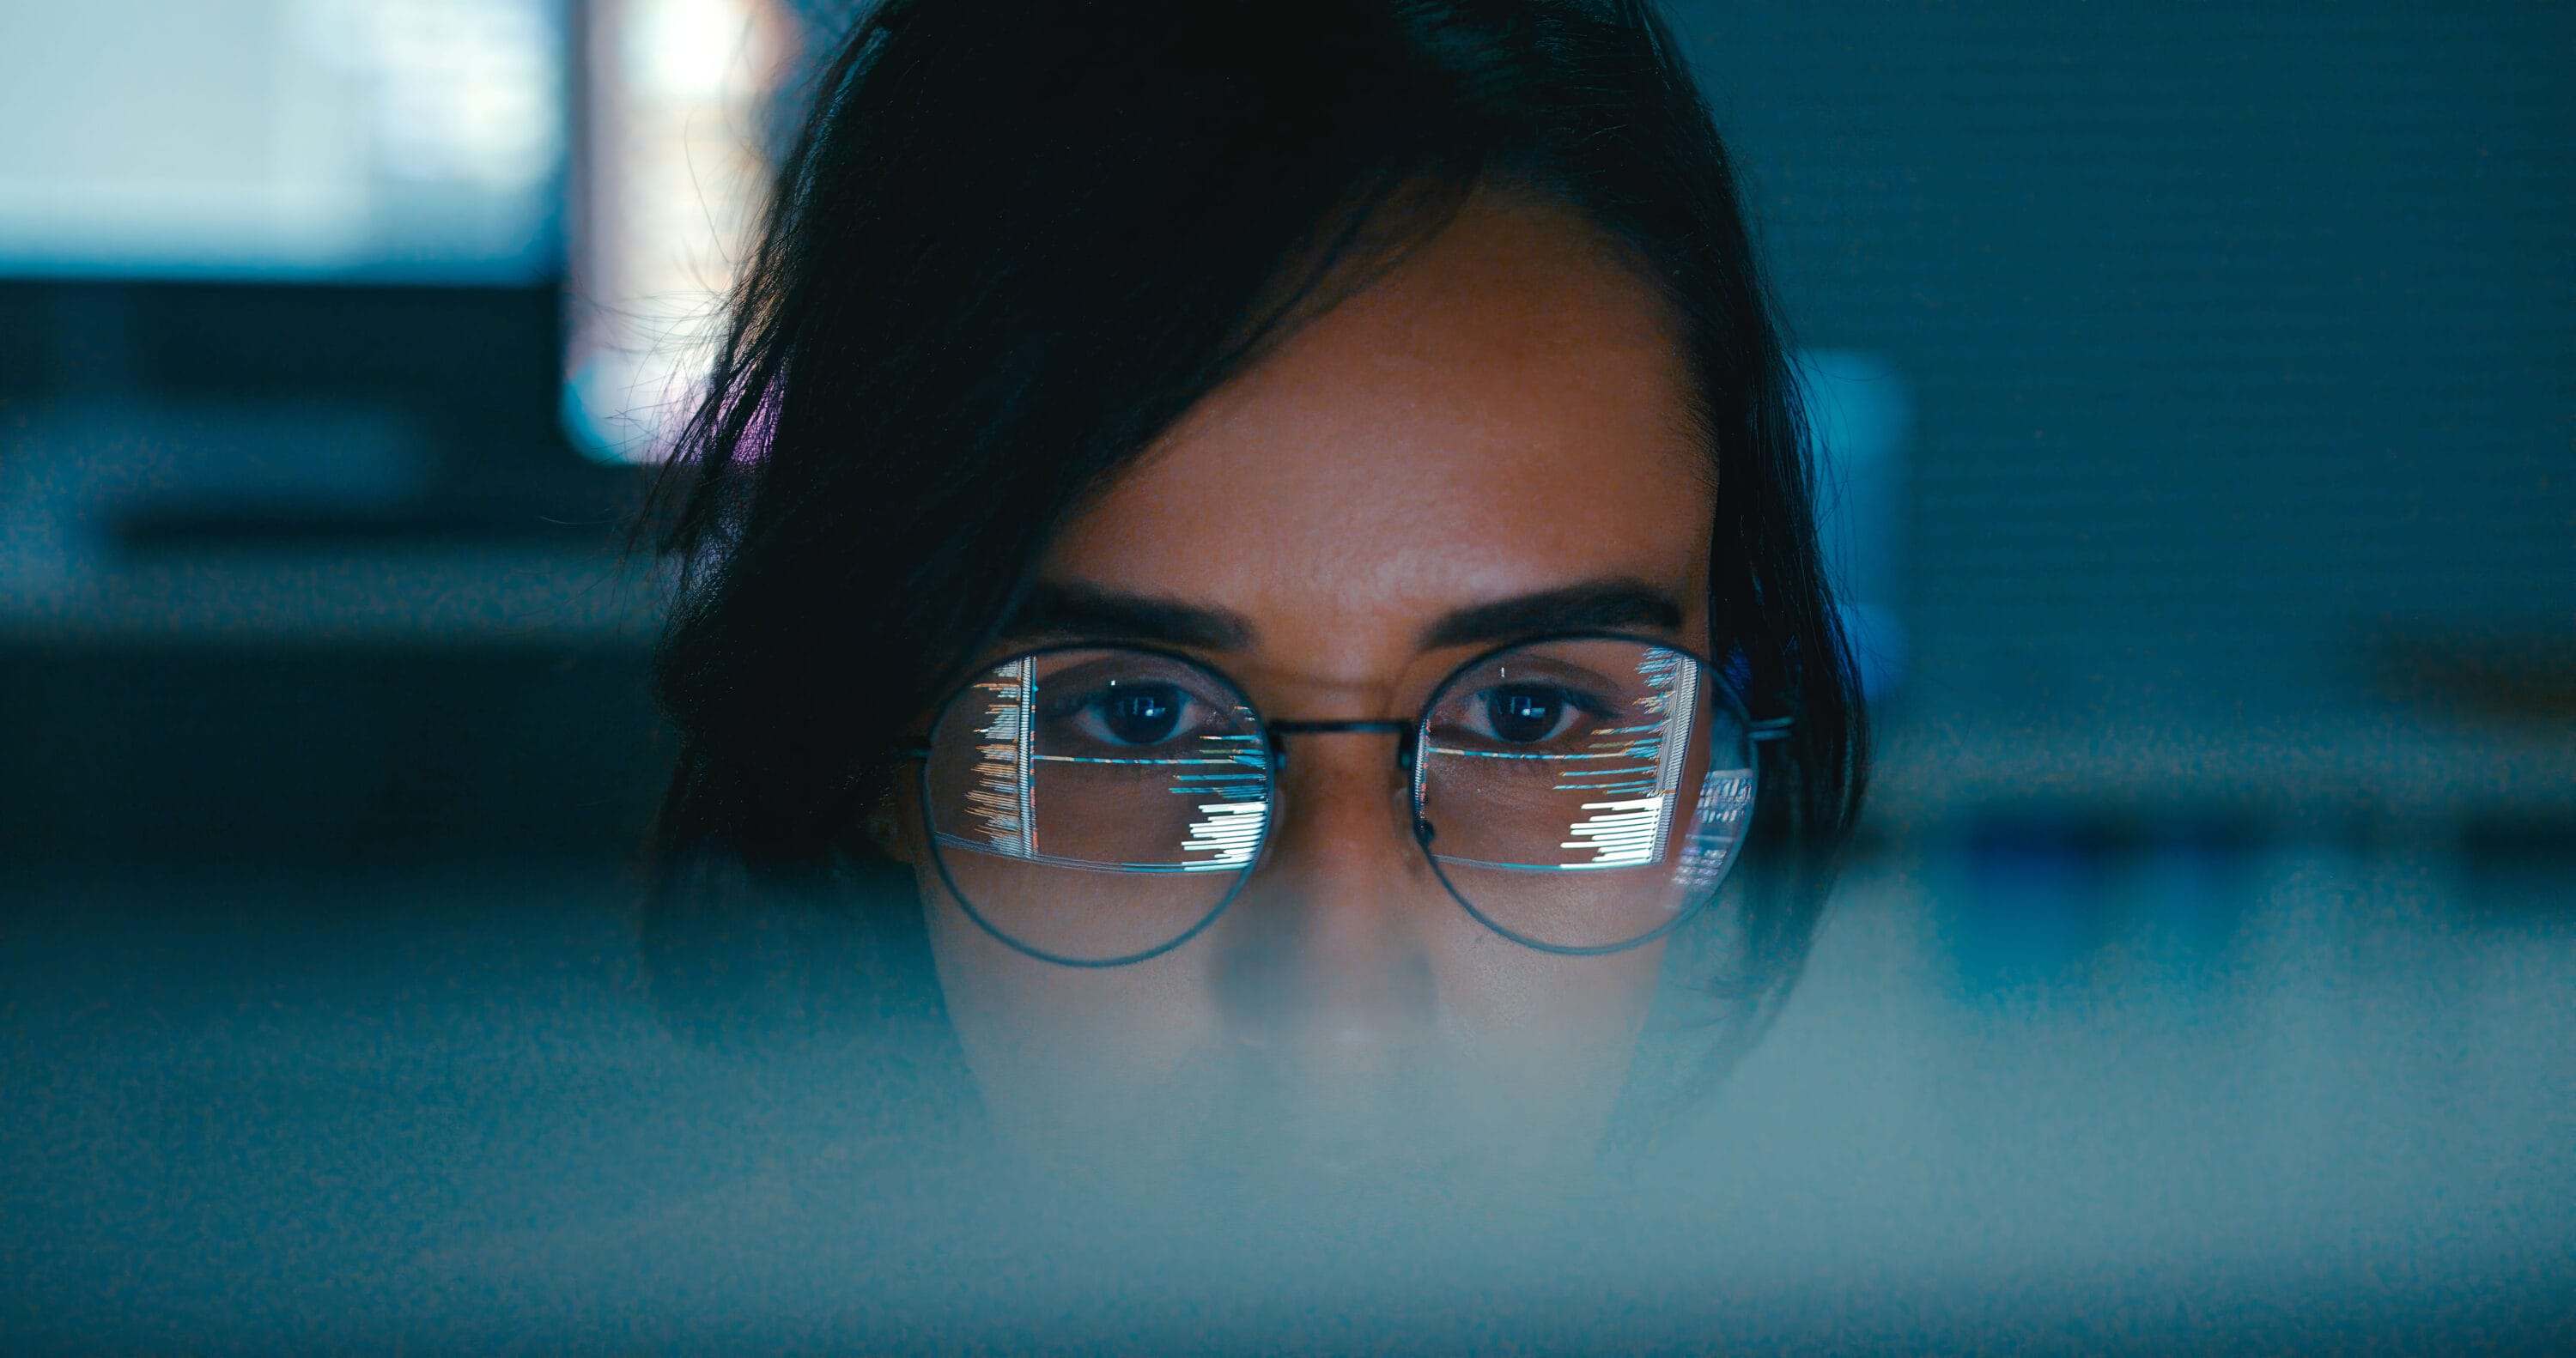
[1502, 419]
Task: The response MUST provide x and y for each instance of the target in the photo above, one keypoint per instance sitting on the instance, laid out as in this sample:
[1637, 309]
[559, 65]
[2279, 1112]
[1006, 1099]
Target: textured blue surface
[2258, 1094]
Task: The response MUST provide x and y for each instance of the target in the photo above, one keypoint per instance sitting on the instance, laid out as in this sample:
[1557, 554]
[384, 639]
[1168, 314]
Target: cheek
[1051, 1044]
[1053, 1041]
[1545, 1043]
[1532, 1020]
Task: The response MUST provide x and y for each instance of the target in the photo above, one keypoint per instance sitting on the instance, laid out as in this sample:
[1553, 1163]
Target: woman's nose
[1324, 957]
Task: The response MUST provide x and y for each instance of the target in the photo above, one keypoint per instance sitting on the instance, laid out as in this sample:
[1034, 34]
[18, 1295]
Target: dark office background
[2245, 345]
[2240, 343]
[2233, 544]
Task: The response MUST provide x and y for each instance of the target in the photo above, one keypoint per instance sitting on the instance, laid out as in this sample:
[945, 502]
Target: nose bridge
[1348, 782]
[1406, 736]
[1328, 950]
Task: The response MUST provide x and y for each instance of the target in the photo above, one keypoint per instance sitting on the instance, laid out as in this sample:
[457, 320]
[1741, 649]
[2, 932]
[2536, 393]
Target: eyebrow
[1594, 606]
[1081, 611]
[1075, 611]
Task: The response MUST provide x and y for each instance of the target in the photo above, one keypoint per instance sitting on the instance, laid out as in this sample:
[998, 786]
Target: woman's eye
[1134, 714]
[1526, 714]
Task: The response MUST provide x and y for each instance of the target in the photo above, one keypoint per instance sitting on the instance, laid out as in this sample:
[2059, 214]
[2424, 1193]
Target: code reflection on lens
[998, 804]
[1554, 776]
[1049, 781]
[1631, 821]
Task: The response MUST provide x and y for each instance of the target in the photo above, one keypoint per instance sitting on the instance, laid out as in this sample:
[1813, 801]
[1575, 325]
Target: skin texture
[1504, 413]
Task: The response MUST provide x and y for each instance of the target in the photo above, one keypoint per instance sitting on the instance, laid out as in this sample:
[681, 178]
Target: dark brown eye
[1523, 714]
[1141, 714]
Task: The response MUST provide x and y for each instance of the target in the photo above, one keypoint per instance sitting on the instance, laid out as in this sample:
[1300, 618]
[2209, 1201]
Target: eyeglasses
[1099, 805]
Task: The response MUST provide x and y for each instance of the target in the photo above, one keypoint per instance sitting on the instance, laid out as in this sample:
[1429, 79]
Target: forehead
[1504, 413]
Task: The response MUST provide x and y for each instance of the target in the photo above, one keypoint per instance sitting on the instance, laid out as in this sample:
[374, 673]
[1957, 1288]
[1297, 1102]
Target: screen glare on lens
[1583, 794]
[1579, 794]
[1619, 772]
[1053, 752]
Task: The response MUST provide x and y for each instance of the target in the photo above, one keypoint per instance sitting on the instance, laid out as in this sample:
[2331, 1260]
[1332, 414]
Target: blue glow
[1860, 415]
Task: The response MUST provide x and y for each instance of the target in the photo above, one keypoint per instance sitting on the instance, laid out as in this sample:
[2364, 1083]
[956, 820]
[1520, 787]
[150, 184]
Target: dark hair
[1017, 239]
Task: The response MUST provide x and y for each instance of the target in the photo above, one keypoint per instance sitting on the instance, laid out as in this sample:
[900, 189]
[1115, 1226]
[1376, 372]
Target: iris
[1522, 716]
[1141, 714]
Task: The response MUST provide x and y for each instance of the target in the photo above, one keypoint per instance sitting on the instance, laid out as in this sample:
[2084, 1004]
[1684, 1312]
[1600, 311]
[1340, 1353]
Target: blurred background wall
[297, 556]
[2242, 341]
[2223, 359]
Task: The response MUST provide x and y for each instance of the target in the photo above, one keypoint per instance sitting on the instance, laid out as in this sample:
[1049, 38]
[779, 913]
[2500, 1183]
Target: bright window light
[411, 139]
[672, 183]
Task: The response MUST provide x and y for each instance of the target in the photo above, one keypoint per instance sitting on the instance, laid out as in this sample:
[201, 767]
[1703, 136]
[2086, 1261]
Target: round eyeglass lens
[1096, 805]
[1584, 795]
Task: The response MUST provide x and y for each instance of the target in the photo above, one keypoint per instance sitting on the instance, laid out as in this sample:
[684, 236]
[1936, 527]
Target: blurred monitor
[392, 140]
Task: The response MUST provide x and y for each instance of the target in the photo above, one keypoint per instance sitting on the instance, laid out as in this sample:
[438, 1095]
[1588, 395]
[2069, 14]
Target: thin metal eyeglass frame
[1756, 734]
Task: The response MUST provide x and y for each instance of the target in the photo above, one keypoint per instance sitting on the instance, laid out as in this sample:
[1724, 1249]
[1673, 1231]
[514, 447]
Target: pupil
[1143, 715]
[1521, 716]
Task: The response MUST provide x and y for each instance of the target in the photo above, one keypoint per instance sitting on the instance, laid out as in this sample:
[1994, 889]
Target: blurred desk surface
[246, 1101]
